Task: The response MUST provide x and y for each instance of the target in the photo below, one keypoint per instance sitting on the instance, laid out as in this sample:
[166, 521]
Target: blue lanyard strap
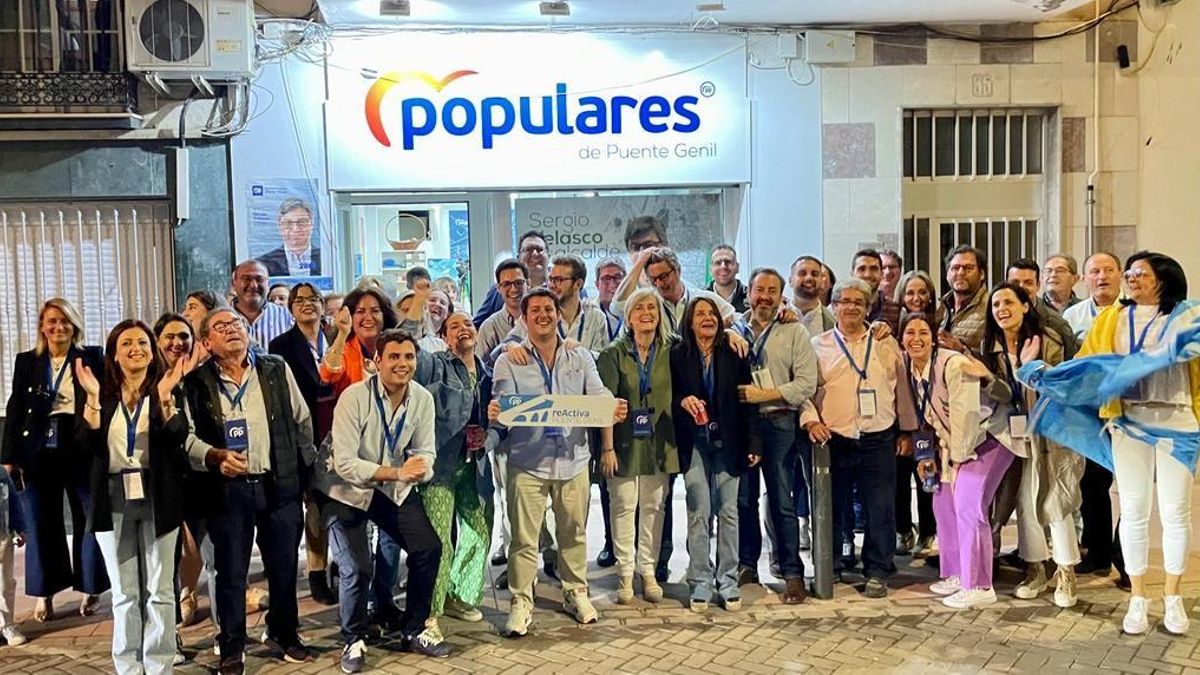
[862, 372]
[131, 426]
[320, 350]
[235, 401]
[547, 372]
[706, 372]
[55, 382]
[1135, 347]
[922, 402]
[613, 331]
[759, 347]
[391, 437]
[644, 369]
[562, 333]
[1018, 400]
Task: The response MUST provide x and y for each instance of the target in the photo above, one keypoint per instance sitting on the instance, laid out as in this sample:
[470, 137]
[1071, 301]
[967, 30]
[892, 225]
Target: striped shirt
[272, 322]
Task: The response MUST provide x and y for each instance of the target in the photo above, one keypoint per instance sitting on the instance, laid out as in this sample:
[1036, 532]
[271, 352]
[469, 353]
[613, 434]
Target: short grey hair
[663, 332]
[291, 204]
[1072, 263]
[851, 285]
[611, 262]
[208, 317]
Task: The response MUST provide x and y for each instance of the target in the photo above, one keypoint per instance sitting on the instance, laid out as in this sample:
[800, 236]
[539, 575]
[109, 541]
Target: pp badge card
[557, 410]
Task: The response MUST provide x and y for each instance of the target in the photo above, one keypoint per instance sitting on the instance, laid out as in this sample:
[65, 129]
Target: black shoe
[502, 581]
[1014, 561]
[1092, 567]
[662, 572]
[606, 558]
[1123, 582]
[233, 664]
[499, 558]
[550, 570]
[390, 620]
[747, 576]
[292, 651]
[318, 587]
[427, 643]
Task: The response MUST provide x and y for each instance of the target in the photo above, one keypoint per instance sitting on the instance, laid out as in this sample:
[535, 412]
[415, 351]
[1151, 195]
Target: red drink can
[702, 418]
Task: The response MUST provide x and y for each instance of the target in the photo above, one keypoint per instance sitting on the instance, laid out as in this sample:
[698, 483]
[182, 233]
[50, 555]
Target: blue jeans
[778, 471]
[387, 572]
[711, 488]
[868, 463]
[803, 476]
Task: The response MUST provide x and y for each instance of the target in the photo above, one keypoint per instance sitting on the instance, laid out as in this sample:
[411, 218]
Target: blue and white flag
[1072, 393]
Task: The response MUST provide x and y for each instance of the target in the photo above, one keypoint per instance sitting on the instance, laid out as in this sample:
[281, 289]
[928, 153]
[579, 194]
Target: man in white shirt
[382, 446]
[1102, 278]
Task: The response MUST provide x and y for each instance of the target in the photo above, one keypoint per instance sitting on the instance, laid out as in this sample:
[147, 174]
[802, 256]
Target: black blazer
[28, 412]
[276, 262]
[163, 481]
[739, 436]
[293, 347]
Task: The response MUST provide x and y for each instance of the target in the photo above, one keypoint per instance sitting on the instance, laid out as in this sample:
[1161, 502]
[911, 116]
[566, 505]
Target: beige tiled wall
[865, 208]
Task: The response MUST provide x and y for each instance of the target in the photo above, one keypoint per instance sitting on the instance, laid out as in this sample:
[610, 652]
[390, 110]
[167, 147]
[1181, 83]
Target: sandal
[44, 611]
[89, 605]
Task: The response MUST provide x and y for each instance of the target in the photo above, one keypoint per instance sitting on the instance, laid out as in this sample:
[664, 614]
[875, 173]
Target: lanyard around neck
[862, 372]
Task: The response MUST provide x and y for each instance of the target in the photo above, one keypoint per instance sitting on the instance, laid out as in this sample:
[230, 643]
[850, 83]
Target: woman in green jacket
[637, 367]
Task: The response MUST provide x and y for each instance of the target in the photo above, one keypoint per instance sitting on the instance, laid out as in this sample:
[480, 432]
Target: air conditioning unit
[211, 40]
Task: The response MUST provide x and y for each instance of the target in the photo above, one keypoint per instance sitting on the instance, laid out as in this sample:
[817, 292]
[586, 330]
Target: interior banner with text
[422, 111]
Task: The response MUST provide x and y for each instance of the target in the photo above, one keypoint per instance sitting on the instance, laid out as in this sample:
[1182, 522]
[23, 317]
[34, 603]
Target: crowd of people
[369, 427]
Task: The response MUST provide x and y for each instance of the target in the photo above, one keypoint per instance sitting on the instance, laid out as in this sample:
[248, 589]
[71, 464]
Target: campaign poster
[285, 232]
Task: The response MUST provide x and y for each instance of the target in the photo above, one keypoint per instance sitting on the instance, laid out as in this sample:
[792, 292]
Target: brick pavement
[908, 632]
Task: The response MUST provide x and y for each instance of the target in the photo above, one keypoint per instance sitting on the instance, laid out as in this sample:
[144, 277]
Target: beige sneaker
[625, 590]
[520, 615]
[651, 591]
[578, 605]
[1035, 582]
[1065, 593]
[457, 609]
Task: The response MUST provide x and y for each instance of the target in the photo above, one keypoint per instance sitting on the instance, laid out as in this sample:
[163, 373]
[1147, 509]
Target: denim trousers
[711, 488]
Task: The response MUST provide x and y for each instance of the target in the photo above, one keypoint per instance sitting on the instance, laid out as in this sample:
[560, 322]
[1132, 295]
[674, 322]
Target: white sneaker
[805, 535]
[1034, 583]
[1175, 619]
[1136, 622]
[15, 638]
[947, 586]
[1065, 593]
[520, 615]
[970, 598]
[578, 605]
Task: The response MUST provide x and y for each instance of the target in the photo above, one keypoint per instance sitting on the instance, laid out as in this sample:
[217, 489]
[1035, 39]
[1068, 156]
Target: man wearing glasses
[610, 272]
[533, 254]
[584, 324]
[297, 257]
[1059, 277]
[863, 395]
[249, 428]
[962, 312]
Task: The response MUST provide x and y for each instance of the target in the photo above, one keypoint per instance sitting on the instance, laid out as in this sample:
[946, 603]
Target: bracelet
[89, 406]
[612, 450]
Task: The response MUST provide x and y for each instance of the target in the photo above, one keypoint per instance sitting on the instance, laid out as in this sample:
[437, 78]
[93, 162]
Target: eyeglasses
[295, 224]
[506, 285]
[963, 268]
[226, 327]
[533, 249]
[559, 280]
[861, 304]
[1057, 270]
[662, 278]
[307, 299]
[723, 263]
[1130, 275]
[612, 278]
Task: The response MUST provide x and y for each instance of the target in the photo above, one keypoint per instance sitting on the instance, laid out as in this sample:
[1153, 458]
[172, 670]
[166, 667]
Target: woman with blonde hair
[637, 367]
[39, 450]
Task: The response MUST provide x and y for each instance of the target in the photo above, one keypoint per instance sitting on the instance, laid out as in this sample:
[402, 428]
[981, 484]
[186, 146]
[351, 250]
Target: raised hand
[1032, 349]
[344, 321]
[86, 379]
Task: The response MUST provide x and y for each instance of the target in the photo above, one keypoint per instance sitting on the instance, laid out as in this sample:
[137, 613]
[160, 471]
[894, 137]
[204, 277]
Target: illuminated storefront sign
[536, 110]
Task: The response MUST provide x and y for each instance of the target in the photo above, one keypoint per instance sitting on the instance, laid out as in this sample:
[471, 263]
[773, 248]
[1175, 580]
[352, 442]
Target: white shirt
[356, 448]
[64, 402]
[299, 264]
[118, 459]
[1163, 399]
[1080, 316]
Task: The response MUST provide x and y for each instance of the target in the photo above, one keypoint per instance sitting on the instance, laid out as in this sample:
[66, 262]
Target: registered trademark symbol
[707, 89]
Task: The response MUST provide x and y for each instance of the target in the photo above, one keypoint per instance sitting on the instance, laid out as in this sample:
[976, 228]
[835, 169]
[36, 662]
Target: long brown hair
[114, 378]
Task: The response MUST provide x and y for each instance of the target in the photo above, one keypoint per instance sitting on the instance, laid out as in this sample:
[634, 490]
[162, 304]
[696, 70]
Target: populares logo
[494, 116]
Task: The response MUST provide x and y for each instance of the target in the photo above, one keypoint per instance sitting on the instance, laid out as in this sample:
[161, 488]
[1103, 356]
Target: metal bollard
[822, 523]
